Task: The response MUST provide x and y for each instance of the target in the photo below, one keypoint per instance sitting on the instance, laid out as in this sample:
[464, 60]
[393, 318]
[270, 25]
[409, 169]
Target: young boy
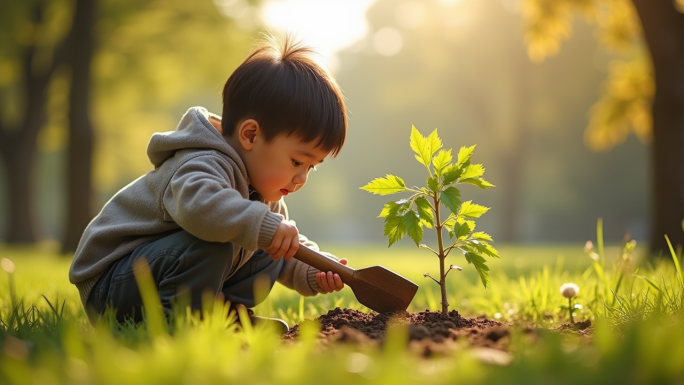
[210, 216]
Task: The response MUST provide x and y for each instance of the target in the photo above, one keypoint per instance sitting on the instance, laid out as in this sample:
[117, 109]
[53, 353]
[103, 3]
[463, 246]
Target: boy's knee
[208, 252]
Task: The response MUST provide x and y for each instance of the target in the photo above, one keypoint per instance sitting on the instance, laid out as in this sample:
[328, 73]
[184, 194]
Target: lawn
[637, 332]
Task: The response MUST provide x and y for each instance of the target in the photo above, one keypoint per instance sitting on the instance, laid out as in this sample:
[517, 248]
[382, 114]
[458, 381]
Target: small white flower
[588, 246]
[569, 290]
[7, 265]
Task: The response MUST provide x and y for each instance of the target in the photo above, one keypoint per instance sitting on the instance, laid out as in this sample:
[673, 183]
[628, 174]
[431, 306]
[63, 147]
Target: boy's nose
[300, 178]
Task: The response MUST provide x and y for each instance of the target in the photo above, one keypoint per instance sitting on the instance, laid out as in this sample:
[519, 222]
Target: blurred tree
[136, 65]
[32, 46]
[80, 145]
[150, 66]
[463, 68]
[642, 94]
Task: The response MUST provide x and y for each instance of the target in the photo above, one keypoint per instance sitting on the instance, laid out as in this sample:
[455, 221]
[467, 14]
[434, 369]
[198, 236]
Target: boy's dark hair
[280, 86]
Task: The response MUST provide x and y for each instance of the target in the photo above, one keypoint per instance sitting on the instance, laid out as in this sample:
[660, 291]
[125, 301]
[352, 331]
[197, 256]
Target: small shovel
[374, 287]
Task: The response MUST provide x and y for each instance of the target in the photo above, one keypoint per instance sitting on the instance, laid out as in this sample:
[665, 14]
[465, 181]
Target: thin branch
[445, 221]
[424, 246]
[452, 267]
[427, 275]
[448, 250]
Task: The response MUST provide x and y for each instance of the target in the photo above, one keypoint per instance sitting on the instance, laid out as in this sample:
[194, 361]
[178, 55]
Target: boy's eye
[297, 164]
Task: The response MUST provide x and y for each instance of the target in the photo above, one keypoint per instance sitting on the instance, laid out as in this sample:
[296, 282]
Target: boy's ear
[248, 132]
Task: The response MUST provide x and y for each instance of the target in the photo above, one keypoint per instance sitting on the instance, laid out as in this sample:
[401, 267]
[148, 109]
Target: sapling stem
[442, 257]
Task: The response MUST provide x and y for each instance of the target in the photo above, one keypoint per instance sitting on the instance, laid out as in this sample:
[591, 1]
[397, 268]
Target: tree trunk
[18, 144]
[79, 153]
[663, 28]
[18, 155]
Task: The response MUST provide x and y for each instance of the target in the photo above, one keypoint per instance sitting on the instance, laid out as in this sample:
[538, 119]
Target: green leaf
[441, 160]
[462, 228]
[432, 183]
[479, 182]
[395, 229]
[434, 142]
[389, 209]
[451, 173]
[413, 227]
[450, 199]
[421, 146]
[385, 186]
[449, 223]
[425, 210]
[464, 155]
[480, 235]
[480, 265]
[471, 210]
[483, 247]
[472, 171]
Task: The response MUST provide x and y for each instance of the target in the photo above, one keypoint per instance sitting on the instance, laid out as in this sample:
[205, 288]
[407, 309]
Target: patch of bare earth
[582, 328]
[429, 332]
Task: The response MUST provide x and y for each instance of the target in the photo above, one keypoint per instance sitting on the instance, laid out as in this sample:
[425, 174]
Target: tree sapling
[424, 207]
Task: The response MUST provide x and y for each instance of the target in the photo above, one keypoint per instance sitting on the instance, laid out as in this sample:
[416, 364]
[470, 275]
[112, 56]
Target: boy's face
[281, 166]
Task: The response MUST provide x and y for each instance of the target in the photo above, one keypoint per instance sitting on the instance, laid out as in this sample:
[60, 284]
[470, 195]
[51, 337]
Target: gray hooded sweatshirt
[200, 184]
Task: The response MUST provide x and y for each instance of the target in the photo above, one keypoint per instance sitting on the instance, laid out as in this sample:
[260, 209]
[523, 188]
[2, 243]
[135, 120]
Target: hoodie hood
[194, 131]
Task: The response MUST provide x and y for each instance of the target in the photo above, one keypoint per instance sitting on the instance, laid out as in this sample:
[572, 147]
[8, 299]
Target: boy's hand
[285, 241]
[330, 281]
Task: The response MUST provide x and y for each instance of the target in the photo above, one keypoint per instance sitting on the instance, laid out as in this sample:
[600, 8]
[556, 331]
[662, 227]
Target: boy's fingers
[339, 285]
[284, 247]
[274, 247]
[331, 280]
[322, 282]
[294, 245]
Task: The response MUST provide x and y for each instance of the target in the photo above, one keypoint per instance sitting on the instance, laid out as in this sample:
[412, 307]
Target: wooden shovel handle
[323, 263]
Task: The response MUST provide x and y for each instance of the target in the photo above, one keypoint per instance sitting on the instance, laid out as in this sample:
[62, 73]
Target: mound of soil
[580, 327]
[429, 331]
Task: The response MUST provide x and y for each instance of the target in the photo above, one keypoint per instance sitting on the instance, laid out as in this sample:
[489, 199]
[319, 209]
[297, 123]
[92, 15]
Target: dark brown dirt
[429, 332]
[581, 327]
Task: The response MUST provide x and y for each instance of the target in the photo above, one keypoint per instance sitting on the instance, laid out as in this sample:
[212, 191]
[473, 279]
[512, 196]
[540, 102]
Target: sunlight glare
[325, 25]
[387, 41]
[411, 14]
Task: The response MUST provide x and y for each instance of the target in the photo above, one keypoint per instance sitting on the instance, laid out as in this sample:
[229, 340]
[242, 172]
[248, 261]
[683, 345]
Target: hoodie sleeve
[202, 200]
[296, 274]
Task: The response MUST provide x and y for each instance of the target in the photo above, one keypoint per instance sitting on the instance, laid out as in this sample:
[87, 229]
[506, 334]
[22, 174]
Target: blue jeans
[182, 265]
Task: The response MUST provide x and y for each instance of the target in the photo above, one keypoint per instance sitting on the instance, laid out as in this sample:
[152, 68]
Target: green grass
[45, 337]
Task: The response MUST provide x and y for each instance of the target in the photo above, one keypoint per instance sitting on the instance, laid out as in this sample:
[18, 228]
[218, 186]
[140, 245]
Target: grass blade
[650, 282]
[676, 261]
[599, 241]
[156, 324]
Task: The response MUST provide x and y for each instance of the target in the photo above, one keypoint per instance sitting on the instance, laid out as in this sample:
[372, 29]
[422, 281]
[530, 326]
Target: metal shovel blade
[382, 290]
[375, 287]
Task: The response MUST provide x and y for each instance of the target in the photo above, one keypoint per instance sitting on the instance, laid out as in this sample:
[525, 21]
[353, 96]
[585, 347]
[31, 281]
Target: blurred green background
[463, 67]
